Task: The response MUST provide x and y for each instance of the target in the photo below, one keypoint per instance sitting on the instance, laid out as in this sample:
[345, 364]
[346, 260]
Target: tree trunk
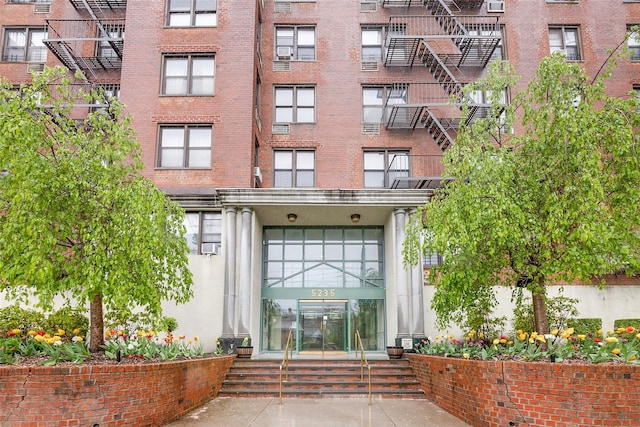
[96, 339]
[540, 321]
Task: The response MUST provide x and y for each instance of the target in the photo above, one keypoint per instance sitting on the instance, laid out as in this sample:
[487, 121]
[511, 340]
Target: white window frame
[28, 49]
[386, 157]
[633, 43]
[292, 166]
[191, 16]
[186, 148]
[367, 34]
[188, 78]
[290, 103]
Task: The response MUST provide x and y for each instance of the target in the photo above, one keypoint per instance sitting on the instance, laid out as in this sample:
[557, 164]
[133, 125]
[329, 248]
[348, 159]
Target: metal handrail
[363, 361]
[285, 361]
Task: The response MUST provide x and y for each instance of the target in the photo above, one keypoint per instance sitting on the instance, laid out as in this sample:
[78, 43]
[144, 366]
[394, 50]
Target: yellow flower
[541, 338]
[567, 332]
[534, 335]
[39, 338]
[611, 339]
[531, 340]
[16, 331]
[509, 342]
[599, 331]
[496, 341]
[522, 337]
[60, 332]
[481, 335]
[519, 332]
[465, 355]
[50, 341]
[582, 337]
[190, 341]
[79, 339]
[638, 336]
[615, 351]
[554, 332]
[76, 331]
[56, 338]
[32, 333]
[621, 330]
[503, 340]
[609, 331]
[632, 357]
[142, 333]
[47, 336]
[471, 334]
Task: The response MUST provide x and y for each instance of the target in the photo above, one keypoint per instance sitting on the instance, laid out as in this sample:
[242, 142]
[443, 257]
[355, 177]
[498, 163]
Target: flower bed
[146, 394]
[497, 393]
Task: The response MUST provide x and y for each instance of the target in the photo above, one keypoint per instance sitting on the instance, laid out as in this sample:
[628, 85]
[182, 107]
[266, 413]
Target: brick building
[299, 135]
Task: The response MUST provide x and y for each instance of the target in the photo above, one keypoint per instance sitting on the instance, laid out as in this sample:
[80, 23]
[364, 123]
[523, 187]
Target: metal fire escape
[91, 46]
[444, 43]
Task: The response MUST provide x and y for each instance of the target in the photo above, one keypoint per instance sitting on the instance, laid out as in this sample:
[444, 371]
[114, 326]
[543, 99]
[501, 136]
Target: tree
[77, 218]
[557, 200]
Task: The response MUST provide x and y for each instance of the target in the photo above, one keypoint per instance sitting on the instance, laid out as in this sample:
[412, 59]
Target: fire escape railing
[99, 5]
[415, 171]
[440, 42]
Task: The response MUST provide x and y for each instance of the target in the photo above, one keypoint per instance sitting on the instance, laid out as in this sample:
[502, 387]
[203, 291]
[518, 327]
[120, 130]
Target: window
[382, 167]
[185, 146]
[188, 75]
[204, 232]
[498, 53]
[105, 50]
[375, 98]
[28, 1]
[296, 43]
[633, 42]
[294, 168]
[24, 45]
[295, 104]
[566, 40]
[371, 44]
[192, 13]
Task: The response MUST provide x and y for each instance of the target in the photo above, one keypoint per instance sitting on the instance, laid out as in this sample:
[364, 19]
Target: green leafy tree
[78, 219]
[557, 199]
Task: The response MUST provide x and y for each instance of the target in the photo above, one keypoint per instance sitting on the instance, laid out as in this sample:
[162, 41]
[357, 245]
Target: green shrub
[14, 317]
[585, 325]
[559, 310]
[68, 319]
[623, 323]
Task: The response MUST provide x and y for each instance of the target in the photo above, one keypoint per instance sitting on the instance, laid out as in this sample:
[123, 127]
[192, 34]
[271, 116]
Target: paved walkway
[327, 412]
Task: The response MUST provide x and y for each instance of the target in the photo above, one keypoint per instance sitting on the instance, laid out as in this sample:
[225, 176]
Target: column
[244, 291]
[229, 274]
[417, 301]
[402, 285]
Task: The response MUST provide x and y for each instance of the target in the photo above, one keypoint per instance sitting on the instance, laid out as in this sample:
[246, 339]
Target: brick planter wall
[509, 393]
[107, 395]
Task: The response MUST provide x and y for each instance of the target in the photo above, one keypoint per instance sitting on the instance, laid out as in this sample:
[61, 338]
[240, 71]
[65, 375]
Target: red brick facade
[509, 393]
[108, 395]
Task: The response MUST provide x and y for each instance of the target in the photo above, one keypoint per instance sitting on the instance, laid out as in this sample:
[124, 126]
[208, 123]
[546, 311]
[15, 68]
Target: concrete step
[321, 378]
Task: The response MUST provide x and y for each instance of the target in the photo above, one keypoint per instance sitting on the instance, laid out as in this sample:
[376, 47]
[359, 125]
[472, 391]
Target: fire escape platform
[97, 5]
[71, 40]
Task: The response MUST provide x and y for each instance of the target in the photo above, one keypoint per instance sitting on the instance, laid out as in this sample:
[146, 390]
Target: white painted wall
[610, 303]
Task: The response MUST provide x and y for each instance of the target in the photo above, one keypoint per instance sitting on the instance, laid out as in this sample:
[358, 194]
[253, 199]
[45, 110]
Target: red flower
[597, 340]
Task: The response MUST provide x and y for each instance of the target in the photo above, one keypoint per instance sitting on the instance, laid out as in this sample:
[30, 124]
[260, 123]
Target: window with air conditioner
[371, 38]
[565, 39]
[296, 43]
[203, 232]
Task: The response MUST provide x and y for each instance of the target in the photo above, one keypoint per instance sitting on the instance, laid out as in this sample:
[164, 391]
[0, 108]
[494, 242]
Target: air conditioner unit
[284, 52]
[495, 6]
[257, 173]
[210, 249]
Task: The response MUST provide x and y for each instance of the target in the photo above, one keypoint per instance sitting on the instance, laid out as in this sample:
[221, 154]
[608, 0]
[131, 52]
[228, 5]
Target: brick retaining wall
[150, 394]
[510, 393]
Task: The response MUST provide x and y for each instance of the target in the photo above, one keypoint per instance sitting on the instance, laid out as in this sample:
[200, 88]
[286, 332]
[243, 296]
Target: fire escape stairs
[62, 33]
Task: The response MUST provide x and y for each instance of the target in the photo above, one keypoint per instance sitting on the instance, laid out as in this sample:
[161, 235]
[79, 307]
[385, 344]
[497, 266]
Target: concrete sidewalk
[343, 412]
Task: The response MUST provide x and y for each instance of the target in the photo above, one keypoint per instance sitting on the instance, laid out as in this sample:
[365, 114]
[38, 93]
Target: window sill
[167, 168]
[165, 95]
[167, 27]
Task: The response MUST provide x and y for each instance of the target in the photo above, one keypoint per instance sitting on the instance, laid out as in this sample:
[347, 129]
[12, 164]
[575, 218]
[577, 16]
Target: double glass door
[323, 326]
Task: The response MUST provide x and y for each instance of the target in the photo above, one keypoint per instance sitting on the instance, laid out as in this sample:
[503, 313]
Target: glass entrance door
[323, 325]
